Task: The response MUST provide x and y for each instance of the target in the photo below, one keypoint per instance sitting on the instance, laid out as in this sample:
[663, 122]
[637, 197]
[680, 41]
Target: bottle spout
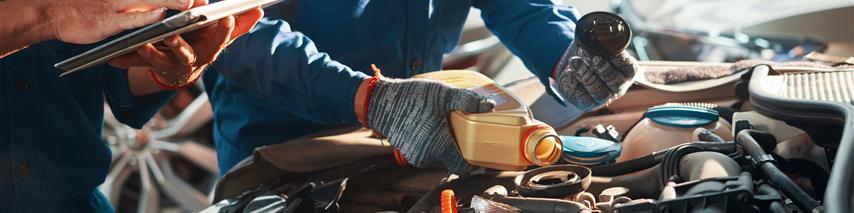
[542, 146]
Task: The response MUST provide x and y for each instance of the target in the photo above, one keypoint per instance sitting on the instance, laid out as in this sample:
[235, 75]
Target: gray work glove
[589, 81]
[413, 114]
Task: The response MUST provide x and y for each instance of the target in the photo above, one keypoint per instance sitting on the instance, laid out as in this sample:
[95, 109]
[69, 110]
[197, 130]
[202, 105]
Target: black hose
[774, 206]
[670, 163]
[650, 160]
[777, 178]
[723, 111]
[625, 167]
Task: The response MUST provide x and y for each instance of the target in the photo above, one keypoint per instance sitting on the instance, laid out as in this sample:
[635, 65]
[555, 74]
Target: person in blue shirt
[308, 69]
[52, 157]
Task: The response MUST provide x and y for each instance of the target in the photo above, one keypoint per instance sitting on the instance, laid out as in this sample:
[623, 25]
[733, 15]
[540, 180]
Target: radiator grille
[822, 86]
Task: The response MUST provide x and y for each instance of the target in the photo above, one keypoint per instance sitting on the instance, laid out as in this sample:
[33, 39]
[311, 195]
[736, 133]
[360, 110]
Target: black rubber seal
[578, 180]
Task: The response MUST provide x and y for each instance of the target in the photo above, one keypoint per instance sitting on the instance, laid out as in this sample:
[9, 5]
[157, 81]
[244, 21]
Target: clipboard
[182, 22]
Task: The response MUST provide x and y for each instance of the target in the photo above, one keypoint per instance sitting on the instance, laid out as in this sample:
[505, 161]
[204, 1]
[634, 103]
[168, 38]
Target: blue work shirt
[52, 156]
[298, 75]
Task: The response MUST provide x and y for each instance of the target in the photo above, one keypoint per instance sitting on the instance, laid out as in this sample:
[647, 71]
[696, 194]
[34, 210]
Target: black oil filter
[602, 33]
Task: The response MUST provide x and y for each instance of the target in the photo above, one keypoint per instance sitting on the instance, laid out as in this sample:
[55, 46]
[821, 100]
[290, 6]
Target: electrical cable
[777, 178]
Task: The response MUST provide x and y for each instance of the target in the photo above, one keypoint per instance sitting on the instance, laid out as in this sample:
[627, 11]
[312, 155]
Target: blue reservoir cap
[682, 116]
[589, 150]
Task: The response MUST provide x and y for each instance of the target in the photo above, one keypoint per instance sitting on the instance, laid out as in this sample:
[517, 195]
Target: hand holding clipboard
[165, 30]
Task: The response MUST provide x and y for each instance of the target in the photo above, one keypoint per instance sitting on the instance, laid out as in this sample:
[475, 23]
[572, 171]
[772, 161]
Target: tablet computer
[182, 22]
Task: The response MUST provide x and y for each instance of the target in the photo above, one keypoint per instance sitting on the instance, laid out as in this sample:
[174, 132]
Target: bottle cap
[603, 33]
[682, 116]
[589, 150]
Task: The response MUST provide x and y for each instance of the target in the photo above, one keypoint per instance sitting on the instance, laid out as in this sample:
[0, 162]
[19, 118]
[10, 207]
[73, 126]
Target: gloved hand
[589, 81]
[413, 114]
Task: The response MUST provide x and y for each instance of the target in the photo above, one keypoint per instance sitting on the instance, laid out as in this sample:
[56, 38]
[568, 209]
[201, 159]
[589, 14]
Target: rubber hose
[723, 111]
[626, 167]
[694, 166]
[650, 160]
[776, 177]
[775, 206]
[670, 164]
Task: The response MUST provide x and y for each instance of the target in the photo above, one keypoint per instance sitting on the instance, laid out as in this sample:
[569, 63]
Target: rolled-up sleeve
[537, 31]
[132, 110]
[284, 67]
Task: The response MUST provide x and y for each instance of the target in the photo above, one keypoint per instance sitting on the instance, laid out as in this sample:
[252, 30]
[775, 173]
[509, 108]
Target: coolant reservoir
[668, 126]
[508, 138]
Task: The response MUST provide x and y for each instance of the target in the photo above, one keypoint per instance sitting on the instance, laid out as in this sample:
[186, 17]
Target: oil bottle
[508, 138]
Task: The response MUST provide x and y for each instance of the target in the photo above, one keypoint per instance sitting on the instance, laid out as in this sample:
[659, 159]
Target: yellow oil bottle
[508, 138]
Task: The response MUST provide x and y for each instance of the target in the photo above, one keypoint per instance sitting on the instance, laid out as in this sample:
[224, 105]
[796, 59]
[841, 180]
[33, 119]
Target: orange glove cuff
[363, 96]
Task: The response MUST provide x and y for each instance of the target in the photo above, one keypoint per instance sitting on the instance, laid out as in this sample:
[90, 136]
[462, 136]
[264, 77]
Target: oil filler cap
[603, 33]
[682, 116]
[589, 151]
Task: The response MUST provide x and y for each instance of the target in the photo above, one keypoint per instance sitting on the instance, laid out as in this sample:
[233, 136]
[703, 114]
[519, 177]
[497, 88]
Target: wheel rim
[148, 154]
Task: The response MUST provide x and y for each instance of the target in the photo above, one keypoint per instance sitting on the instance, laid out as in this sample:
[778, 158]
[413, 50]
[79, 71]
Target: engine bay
[738, 146]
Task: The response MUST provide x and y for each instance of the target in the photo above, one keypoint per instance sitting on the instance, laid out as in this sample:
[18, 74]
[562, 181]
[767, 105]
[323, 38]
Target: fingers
[574, 88]
[245, 22]
[128, 60]
[138, 19]
[197, 3]
[145, 5]
[154, 57]
[584, 74]
[607, 74]
[181, 49]
[213, 46]
[581, 97]
[626, 64]
[470, 102]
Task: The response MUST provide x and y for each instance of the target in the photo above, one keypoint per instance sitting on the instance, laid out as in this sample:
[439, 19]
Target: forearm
[537, 31]
[285, 68]
[129, 108]
[23, 23]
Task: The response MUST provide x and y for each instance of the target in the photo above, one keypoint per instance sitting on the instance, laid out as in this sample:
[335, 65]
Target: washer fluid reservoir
[508, 138]
[670, 125]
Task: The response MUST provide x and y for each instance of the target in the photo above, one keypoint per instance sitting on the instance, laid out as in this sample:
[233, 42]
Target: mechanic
[311, 71]
[52, 157]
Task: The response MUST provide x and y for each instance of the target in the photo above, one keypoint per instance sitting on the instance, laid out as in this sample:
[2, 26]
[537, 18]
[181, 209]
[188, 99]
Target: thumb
[470, 102]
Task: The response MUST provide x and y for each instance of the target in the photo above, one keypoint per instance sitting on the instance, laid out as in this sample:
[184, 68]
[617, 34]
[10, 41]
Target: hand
[413, 114]
[89, 21]
[589, 81]
[187, 58]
